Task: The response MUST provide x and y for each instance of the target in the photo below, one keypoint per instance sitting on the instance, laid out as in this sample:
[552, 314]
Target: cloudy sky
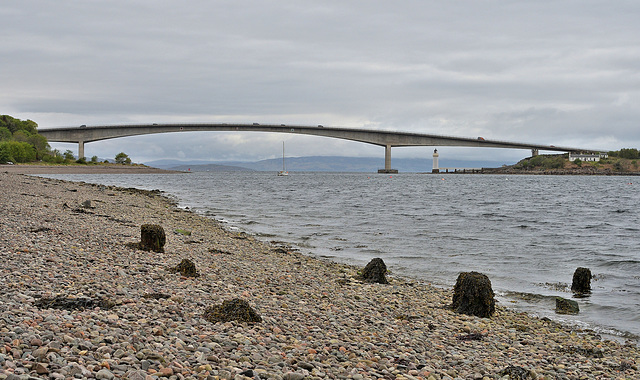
[565, 73]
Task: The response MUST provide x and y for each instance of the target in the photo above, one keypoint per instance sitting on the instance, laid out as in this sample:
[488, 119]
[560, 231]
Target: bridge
[387, 139]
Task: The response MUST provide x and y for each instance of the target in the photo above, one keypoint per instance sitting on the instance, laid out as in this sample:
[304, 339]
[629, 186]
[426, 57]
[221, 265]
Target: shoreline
[318, 321]
[82, 169]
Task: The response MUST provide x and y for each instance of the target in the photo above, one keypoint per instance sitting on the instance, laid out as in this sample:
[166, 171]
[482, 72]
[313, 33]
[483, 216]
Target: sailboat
[283, 172]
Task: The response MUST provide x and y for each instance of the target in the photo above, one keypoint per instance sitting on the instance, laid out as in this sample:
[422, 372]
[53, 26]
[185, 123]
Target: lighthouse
[436, 169]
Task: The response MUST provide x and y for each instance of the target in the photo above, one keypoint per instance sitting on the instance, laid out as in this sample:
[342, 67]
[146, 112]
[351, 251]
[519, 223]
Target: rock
[473, 295]
[86, 204]
[232, 310]
[104, 374]
[186, 268]
[152, 238]
[293, 376]
[136, 375]
[581, 281]
[41, 368]
[375, 272]
[515, 373]
[565, 306]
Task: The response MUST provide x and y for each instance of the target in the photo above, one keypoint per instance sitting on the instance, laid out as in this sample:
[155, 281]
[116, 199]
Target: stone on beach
[186, 268]
[473, 295]
[581, 283]
[232, 310]
[565, 306]
[375, 272]
[152, 238]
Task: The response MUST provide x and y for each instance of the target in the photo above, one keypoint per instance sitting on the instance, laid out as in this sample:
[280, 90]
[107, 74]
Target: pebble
[318, 321]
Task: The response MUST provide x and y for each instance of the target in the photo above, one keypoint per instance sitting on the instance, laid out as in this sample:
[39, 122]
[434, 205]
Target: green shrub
[16, 151]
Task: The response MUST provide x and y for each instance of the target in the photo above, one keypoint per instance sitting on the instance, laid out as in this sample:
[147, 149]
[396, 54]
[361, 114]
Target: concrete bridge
[387, 139]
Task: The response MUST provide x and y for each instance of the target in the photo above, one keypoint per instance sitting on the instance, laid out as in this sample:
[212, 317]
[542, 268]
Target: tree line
[20, 143]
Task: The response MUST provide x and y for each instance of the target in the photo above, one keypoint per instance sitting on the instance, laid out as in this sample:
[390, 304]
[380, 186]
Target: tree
[5, 134]
[122, 158]
[68, 155]
[17, 151]
[41, 145]
[94, 159]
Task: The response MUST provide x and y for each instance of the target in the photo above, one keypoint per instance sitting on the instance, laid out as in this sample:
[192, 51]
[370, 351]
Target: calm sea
[527, 233]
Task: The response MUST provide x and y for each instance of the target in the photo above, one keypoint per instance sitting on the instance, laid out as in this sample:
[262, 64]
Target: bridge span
[387, 139]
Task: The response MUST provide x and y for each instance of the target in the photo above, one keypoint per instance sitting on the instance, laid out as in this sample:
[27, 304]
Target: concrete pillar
[80, 149]
[436, 167]
[387, 157]
[387, 161]
[534, 152]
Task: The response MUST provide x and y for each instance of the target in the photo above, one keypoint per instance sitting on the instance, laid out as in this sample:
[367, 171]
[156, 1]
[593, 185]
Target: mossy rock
[375, 272]
[186, 268]
[232, 310]
[152, 238]
[69, 303]
[473, 295]
[565, 306]
[581, 283]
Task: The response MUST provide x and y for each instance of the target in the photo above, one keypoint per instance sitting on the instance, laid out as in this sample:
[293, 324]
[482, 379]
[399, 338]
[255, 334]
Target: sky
[564, 73]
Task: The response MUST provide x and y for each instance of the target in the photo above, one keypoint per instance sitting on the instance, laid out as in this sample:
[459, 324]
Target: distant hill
[210, 168]
[321, 164]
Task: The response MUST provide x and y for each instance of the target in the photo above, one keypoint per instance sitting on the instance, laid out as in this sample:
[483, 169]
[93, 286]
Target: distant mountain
[210, 168]
[322, 164]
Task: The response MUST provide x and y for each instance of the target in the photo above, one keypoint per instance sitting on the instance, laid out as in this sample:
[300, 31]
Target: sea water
[528, 234]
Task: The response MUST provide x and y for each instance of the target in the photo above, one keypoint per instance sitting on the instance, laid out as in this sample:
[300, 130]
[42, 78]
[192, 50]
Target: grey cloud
[556, 72]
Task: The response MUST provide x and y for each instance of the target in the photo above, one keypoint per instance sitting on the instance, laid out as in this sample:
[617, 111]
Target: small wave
[599, 225]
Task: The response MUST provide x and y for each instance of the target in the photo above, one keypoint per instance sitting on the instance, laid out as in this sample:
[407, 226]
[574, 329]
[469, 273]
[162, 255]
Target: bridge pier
[80, 149]
[534, 152]
[387, 161]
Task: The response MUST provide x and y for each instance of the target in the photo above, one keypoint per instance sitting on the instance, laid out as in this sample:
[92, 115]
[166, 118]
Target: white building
[592, 157]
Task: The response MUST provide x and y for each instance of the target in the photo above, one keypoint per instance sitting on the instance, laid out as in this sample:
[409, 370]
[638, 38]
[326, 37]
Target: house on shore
[590, 157]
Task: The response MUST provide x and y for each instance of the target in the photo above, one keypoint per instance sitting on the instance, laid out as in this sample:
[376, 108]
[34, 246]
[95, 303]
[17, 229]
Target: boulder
[186, 268]
[375, 272]
[473, 295]
[152, 238]
[565, 306]
[581, 281]
[232, 310]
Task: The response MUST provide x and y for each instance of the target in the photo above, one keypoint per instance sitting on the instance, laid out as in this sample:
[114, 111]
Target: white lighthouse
[436, 168]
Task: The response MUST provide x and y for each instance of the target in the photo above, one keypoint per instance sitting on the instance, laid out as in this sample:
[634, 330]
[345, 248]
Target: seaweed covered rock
[186, 268]
[375, 272]
[565, 306]
[152, 238]
[473, 295]
[232, 310]
[516, 373]
[73, 303]
[581, 281]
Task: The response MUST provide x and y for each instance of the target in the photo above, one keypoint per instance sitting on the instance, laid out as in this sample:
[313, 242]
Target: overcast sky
[556, 72]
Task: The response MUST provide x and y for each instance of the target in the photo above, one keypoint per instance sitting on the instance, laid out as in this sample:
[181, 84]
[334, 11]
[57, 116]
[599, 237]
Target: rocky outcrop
[565, 306]
[375, 272]
[152, 238]
[581, 284]
[473, 295]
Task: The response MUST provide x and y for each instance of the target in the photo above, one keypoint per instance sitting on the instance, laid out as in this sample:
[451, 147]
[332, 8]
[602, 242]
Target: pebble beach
[75, 241]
